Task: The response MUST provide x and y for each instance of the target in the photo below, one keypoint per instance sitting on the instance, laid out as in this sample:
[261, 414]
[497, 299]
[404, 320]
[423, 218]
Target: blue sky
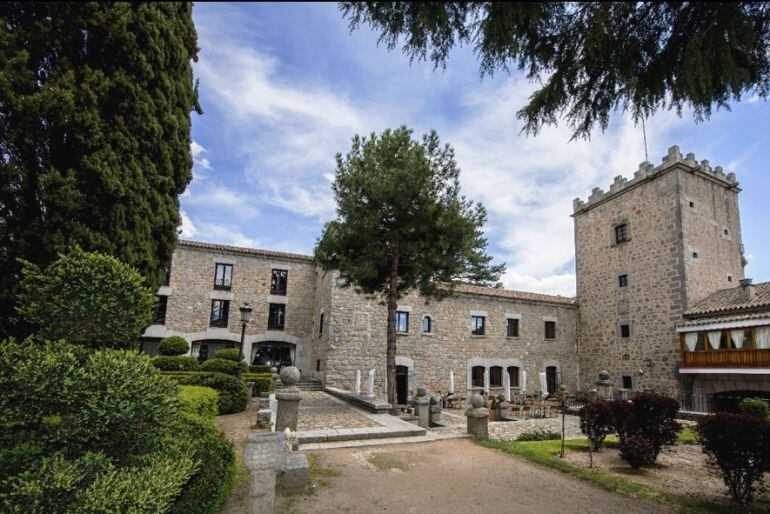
[285, 86]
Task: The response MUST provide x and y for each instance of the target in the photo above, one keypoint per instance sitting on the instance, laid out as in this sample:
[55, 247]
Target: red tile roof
[514, 295]
[250, 251]
[733, 299]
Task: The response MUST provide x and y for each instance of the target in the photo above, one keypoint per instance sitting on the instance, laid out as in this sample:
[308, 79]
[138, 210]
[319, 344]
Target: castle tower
[646, 251]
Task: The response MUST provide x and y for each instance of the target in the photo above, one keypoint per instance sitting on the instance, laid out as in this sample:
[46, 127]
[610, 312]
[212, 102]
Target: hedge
[220, 366]
[175, 363]
[754, 407]
[263, 382]
[199, 400]
[233, 395]
[230, 354]
[261, 368]
[172, 346]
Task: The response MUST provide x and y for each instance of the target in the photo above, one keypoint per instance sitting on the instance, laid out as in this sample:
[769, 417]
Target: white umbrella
[507, 386]
[524, 381]
[543, 384]
[451, 381]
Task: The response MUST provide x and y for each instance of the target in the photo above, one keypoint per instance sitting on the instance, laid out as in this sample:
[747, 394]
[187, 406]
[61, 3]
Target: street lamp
[245, 317]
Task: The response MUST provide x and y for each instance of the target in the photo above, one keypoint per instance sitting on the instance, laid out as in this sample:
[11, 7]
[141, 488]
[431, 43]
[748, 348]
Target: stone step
[357, 434]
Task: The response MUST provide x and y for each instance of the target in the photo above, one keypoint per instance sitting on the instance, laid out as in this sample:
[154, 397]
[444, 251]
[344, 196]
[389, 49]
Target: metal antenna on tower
[644, 132]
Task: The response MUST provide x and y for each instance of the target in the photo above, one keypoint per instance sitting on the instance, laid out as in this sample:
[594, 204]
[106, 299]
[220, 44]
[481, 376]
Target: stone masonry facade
[682, 243]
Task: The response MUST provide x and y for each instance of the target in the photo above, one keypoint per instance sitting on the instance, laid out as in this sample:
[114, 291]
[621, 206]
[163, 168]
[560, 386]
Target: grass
[319, 477]
[687, 436]
[546, 453]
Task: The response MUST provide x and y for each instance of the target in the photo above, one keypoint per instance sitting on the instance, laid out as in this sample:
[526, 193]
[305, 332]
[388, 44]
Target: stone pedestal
[296, 474]
[264, 455]
[435, 410]
[250, 387]
[422, 408]
[478, 418]
[288, 400]
[502, 409]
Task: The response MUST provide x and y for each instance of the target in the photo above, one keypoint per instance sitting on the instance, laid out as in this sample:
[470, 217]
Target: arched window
[477, 376]
[426, 325]
[513, 374]
[496, 376]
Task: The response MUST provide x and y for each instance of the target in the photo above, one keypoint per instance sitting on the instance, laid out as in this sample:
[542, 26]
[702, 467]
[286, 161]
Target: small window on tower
[729, 278]
[727, 232]
[623, 280]
[694, 255]
[621, 233]
[625, 331]
[692, 204]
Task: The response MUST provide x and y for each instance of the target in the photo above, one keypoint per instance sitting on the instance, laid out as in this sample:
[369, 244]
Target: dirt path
[450, 476]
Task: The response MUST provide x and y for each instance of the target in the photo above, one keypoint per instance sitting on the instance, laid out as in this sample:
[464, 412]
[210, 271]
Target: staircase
[305, 384]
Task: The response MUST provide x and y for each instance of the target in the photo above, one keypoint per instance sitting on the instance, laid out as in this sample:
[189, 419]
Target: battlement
[647, 171]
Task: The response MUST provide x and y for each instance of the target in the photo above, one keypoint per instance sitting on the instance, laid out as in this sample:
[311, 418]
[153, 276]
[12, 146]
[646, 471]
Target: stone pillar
[288, 400]
[264, 456]
[358, 382]
[370, 384]
[435, 410]
[422, 408]
[478, 418]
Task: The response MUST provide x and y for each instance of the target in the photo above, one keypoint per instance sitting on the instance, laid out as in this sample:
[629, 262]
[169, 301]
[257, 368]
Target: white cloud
[196, 149]
[188, 228]
[215, 233]
[237, 204]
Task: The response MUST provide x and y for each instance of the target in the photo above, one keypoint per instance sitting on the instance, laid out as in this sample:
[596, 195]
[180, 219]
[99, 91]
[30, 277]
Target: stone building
[655, 256]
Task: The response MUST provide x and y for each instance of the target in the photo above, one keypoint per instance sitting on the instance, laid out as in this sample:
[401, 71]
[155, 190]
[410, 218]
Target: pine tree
[95, 103]
[402, 225]
[591, 58]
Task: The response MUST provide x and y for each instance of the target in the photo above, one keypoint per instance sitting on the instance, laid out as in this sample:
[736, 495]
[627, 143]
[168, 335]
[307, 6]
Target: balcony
[733, 358]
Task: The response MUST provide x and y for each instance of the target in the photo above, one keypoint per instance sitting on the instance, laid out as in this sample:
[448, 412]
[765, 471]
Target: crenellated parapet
[647, 170]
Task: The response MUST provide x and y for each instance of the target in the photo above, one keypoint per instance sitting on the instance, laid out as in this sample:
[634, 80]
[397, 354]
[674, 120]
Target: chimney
[748, 289]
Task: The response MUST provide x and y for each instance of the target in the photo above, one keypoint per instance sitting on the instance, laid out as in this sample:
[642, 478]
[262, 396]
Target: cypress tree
[95, 103]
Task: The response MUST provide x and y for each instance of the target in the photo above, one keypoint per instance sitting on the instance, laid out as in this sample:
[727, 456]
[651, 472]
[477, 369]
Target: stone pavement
[320, 411]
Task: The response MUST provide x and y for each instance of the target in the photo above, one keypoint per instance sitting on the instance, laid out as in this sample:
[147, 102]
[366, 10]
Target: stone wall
[713, 383]
[361, 327]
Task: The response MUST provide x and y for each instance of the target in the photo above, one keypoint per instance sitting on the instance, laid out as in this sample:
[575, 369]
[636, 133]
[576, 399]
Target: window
[727, 232]
[278, 280]
[513, 374]
[276, 316]
[402, 321]
[550, 330]
[621, 233]
[692, 204]
[627, 382]
[426, 325]
[496, 376]
[477, 376]
[223, 276]
[513, 328]
[625, 331]
[623, 280]
[159, 314]
[729, 278]
[219, 312]
[694, 255]
[321, 324]
[477, 325]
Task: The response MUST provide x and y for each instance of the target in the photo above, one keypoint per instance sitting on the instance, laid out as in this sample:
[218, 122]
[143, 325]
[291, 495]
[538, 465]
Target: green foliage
[176, 363]
[538, 435]
[220, 366]
[198, 400]
[95, 108]
[596, 422]
[638, 451]
[208, 489]
[739, 447]
[233, 395]
[263, 382]
[173, 345]
[591, 58]
[261, 368]
[86, 298]
[755, 407]
[402, 225]
[230, 354]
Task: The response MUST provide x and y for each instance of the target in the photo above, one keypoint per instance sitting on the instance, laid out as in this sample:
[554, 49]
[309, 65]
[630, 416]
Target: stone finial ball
[477, 401]
[604, 375]
[289, 375]
[433, 400]
[421, 391]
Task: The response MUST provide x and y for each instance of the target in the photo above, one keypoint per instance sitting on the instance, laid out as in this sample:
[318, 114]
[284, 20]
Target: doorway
[551, 379]
[402, 384]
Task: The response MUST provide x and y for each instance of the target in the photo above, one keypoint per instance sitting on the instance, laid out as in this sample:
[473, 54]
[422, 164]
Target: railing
[727, 358]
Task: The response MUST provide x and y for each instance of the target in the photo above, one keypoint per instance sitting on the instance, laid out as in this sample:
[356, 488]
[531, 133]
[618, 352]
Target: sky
[284, 87]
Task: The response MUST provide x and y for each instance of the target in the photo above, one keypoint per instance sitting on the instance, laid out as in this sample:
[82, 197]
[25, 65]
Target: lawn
[546, 453]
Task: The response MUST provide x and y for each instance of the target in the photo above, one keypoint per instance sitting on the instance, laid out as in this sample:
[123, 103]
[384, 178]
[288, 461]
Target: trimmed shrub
[637, 451]
[263, 383]
[261, 368]
[220, 366]
[622, 411]
[175, 363]
[198, 400]
[77, 297]
[173, 345]
[596, 422]
[230, 354]
[754, 407]
[538, 435]
[208, 489]
[233, 395]
[653, 417]
[739, 446]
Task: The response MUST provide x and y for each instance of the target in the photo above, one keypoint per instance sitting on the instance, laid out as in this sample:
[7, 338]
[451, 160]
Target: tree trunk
[391, 333]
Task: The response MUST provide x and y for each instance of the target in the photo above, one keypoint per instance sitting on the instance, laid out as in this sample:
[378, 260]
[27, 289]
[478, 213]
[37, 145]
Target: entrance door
[402, 384]
[550, 379]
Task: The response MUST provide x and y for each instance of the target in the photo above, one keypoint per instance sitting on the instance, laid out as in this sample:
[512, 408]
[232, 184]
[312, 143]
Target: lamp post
[245, 316]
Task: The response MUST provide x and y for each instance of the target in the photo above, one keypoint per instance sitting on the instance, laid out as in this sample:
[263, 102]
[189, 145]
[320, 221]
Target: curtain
[714, 337]
[737, 337]
[196, 348]
[762, 335]
[691, 340]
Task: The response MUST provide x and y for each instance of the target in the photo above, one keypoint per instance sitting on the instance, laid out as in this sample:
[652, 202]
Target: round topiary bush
[175, 363]
[261, 368]
[219, 366]
[230, 354]
[173, 345]
[756, 407]
[637, 451]
[233, 394]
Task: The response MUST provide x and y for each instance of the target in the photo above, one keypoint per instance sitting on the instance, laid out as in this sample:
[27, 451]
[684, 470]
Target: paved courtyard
[320, 411]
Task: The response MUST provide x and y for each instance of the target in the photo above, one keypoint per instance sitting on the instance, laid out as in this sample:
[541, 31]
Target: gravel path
[451, 476]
